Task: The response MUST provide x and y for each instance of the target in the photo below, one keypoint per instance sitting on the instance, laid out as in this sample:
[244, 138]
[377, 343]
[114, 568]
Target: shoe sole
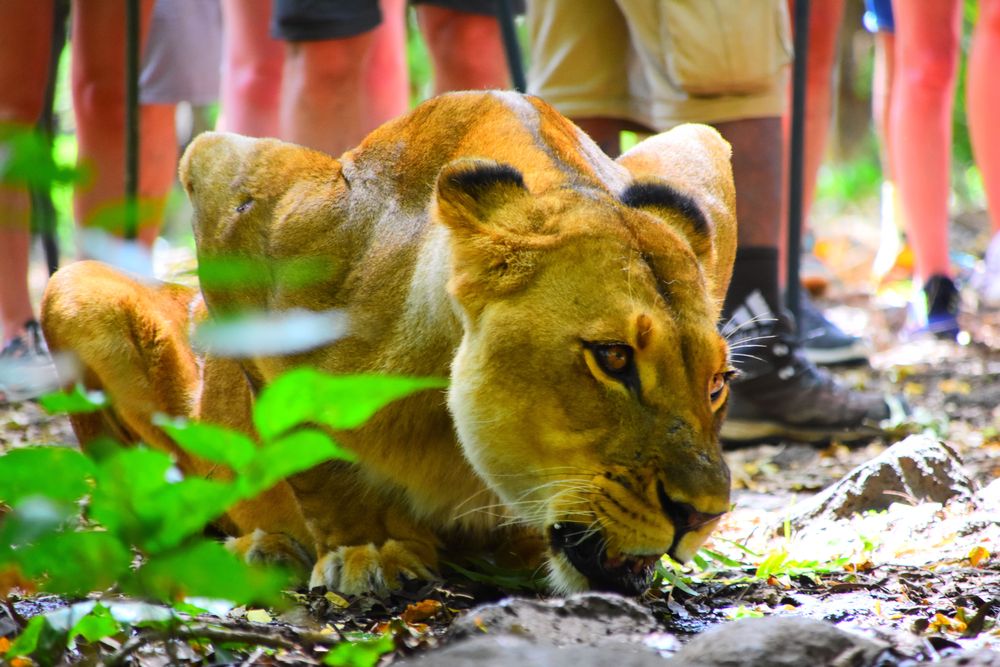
[856, 353]
[735, 431]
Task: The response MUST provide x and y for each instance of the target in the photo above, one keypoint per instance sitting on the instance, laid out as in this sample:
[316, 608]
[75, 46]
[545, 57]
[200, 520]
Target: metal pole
[43, 212]
[512, 47]
[131, 118]
[796, 155]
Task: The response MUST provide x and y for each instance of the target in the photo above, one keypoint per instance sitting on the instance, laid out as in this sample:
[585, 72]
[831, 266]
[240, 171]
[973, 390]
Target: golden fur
[484, 238]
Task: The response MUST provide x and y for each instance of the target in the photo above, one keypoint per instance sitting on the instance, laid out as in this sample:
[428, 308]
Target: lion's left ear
[693, 164]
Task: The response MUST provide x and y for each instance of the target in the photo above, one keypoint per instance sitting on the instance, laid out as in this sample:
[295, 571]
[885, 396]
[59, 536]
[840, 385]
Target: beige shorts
[661, 62]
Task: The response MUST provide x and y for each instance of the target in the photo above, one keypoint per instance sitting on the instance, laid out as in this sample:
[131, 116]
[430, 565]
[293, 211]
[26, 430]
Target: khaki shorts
[661, 62]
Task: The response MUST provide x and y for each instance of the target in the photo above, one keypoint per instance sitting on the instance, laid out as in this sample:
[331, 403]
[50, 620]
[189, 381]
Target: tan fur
[496, 286]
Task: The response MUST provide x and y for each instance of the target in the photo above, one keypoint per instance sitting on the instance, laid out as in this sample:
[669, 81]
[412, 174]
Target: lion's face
[590, 385]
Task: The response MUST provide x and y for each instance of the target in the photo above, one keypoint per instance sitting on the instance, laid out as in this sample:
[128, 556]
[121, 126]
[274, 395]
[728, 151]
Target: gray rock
[919, 467]
[591, 619]
[780, 641]
[980, 658]
[508, 651]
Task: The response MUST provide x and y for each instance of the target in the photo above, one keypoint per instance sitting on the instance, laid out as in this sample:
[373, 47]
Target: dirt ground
[923, 576]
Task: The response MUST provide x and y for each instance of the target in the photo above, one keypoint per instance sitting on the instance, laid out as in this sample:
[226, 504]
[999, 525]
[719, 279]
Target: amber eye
[614, 359]
[717, 384]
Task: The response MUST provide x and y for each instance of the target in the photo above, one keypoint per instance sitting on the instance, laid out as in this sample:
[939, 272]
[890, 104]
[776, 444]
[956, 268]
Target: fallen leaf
[421, 611]
[979, 554]
[258, 616]
[953, 386]
[941, 623]
[336, 600]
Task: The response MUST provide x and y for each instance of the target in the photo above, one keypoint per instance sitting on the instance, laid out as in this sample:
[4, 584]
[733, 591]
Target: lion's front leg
[366, 539]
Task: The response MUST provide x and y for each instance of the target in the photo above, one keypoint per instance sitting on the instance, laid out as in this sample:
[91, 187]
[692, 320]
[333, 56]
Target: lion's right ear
[470, 190]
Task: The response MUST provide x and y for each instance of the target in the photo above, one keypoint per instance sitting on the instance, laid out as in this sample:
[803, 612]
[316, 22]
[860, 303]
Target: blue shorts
[878, 16]
[311, 20]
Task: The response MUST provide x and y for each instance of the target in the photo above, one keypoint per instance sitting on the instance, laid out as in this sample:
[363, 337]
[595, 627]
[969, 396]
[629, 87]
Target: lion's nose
[684, 517]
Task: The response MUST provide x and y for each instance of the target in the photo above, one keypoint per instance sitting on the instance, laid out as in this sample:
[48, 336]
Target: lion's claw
[368, 569]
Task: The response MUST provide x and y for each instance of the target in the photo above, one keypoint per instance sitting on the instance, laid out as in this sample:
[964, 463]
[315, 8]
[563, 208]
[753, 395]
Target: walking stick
[505, 15]
[796, 154]
[43, 212]
[131, 118]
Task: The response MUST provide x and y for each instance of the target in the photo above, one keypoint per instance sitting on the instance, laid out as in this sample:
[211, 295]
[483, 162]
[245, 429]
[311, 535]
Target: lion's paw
[260, 547]
[369, 569]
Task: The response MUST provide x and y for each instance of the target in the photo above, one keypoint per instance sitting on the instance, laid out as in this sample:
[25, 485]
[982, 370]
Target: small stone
[592, 619]
[780, 641]
[980, 658]
[507, 651]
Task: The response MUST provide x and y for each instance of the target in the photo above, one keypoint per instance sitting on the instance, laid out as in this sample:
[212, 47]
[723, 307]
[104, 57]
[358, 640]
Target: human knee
[929, 68]
[99, 100]
[328, 65]
[467, 48]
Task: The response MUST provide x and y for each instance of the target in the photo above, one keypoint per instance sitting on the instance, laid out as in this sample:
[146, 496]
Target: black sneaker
[26, 369]
[823, 342]
[943, 302]
[780, 394]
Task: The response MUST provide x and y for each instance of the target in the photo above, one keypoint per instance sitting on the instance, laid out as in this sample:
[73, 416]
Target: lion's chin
[580, 561]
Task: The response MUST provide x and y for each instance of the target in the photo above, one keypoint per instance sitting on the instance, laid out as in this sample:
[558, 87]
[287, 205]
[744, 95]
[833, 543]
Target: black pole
[43, 212]
[511, 46]
[796, 155]
[131, 118]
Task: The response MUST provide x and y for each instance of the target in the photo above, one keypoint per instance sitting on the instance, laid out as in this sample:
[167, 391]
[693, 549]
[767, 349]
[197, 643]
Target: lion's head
[591, 381]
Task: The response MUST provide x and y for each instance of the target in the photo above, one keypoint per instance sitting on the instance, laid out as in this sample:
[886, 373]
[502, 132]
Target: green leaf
[75, 562]
[125, 496]
[96, 625]
[771, 564]
[288, 455]
[30, 638]
[240, 273]
[29, 520]
[58, 473]
[74, 401]
[183, 509]
[340, 402]
[205, 569]
[140, 498]
[26, 159]
[722, 558]
[365, 653]
[215, 443]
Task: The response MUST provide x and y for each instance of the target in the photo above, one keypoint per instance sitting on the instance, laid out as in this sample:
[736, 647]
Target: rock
[592, 619]
[980, 658]
[780, 641]
[508, 651]
[918, 468]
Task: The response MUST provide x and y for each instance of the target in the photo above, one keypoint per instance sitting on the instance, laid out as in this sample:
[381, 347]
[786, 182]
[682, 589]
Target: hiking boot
[26, 369]
[779, 394]
[935, 311]
[823, 342]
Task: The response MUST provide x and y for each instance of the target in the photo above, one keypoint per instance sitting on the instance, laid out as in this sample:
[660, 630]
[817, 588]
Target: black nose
[684, 517]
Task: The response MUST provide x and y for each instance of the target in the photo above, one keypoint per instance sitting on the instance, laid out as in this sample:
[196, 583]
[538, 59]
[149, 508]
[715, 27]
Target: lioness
[571, 299]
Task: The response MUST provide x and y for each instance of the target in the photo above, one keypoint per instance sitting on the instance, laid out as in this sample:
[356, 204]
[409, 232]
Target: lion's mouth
[586, 551]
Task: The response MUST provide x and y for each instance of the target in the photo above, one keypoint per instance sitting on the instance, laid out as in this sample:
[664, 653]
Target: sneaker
[823, 342]
[936, 310]
[986, 281]
[26, 369]
[780, 394]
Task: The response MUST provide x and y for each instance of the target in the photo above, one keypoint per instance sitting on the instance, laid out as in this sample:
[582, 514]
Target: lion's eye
[718, 384]
[615, 359]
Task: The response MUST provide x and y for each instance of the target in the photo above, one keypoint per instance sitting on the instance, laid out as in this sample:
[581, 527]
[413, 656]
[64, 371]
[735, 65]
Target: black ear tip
[653, 194]
[482, 174]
